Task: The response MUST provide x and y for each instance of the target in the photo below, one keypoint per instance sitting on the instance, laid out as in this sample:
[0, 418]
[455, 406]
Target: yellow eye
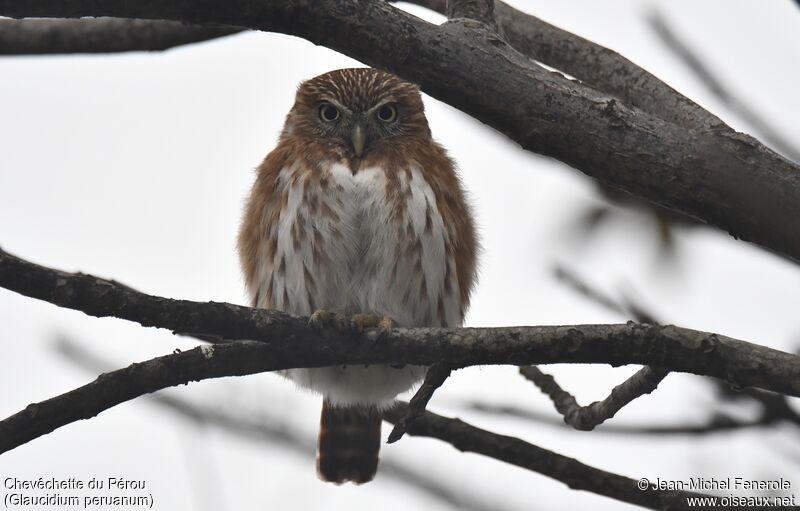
[328, 112]
[387, 113]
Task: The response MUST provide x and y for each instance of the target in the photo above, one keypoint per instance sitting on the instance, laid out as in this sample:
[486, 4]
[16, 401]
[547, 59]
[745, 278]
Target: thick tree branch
[434, 378]
[576, 475]
[586, 418]
[288, 341]
[727, 179]
[478, 10]
[104, 35]
[238, 358]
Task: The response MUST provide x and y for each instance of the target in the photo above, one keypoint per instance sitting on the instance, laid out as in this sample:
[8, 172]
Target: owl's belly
[357, 245]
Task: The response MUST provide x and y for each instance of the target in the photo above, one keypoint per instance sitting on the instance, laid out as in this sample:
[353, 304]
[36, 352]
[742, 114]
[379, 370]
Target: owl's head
[357, 109]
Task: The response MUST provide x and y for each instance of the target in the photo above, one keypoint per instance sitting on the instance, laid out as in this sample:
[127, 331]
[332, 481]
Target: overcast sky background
[135, 167]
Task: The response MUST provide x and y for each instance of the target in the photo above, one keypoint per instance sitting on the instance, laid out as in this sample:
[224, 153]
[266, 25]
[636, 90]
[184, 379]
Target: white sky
[135, 166]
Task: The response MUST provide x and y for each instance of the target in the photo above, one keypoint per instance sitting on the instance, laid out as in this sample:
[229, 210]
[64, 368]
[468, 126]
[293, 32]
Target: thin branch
[103, 35]
[718, 87]
[576, 475]
[478, 10]
[725, 178]
[274, 430]
[287, 341]
[434, 378]
[586, 418]
[717, 423]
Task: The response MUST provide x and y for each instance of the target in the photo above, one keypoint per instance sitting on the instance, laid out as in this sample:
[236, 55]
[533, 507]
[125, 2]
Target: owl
[358, 213]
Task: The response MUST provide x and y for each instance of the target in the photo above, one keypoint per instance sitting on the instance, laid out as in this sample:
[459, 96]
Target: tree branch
[576, 475]
[104, 35]
[727, 179]
[478, 10]
[586, 418]
[238, 358]
[434, 378]
[275, 430]
[288, 342]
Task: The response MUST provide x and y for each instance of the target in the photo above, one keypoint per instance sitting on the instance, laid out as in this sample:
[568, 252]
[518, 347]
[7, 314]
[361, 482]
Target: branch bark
[727, 179]
[105, 35]
[478, 10]
[288, 341]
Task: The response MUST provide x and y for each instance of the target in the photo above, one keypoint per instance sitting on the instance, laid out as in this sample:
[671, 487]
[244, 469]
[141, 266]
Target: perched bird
[358, 213]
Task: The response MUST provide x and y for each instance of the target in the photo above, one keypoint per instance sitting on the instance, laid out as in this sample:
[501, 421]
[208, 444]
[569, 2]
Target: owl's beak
[358, 138]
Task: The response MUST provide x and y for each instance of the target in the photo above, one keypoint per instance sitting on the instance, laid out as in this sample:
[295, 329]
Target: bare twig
[434, 378]
[288, 342]
[586, 418]
[725, 178]
[576, 475]
[719, 87]
[102, 35]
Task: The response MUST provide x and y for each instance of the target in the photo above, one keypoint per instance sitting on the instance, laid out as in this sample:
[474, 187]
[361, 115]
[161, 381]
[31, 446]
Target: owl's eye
[328, 112]
[387, 113]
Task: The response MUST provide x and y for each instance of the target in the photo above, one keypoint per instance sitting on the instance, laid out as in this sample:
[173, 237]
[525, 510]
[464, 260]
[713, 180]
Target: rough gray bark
[287, 341]
[725, 178]
[105, 35]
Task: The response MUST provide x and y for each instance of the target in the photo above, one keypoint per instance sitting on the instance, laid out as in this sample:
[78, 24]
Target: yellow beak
[358, 138]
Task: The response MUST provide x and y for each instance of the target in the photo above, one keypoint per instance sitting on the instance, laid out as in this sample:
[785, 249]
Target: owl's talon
[319, 319]
[322, 318]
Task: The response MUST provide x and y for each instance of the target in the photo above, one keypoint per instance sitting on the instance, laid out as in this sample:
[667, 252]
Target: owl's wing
[257, 234]
[462, 243]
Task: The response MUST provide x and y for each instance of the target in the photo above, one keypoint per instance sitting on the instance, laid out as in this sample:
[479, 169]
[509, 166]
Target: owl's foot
[383, 325]
[322, 318]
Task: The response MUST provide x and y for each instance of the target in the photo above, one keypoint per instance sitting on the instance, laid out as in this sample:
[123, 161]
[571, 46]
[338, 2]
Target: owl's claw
[383, 324]
[322, 318]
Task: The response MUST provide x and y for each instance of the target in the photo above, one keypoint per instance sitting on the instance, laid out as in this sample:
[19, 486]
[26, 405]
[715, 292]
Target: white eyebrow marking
[335, 103]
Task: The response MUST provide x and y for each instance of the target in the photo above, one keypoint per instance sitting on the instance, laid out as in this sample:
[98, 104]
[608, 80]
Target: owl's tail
[349, 442]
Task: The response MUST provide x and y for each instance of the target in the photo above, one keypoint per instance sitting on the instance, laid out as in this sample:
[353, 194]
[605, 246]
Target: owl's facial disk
[359, 110]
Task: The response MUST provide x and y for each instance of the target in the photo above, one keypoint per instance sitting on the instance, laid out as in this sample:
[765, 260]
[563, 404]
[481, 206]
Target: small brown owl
[358, 211]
